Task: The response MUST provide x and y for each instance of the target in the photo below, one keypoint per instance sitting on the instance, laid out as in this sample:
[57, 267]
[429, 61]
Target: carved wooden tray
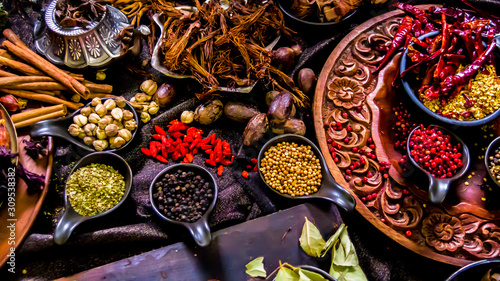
[466, 227]
[28, 204]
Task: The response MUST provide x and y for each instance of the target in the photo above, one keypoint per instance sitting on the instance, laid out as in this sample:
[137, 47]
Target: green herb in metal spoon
[94, 189]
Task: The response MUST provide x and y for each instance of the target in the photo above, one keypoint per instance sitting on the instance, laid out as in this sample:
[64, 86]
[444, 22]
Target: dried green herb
[311, 240]
[94, 189]
[255, 268]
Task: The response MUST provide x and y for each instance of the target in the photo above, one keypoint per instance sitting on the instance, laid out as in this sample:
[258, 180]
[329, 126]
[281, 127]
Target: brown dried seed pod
[239, 112]
[255, 129]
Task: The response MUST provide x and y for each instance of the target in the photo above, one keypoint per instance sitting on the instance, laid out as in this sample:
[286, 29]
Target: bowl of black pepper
[492, 160]
[185, 194]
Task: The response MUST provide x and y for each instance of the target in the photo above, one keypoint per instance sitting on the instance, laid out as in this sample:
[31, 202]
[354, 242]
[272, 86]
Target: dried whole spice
[94, 189]
[184, 142]
[183, 196]
[226, 47]
[79, 13]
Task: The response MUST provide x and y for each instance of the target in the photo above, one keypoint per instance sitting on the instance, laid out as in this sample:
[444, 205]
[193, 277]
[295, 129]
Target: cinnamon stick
[21, 67]
[36, 116]
[8, 74]
[34, 86]
[16, 80]
[19, 49]
[98, 88]
[42, 98]
[29, 114]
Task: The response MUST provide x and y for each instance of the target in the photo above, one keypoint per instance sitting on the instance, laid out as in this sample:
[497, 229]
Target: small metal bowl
[329, 190]
[475, 271]
[59, 128]
[157, 56]
[438, 188]
[71, 218]
[490, 152]
[198, 229]
[78, 47]
[314, 27]
[405, 63]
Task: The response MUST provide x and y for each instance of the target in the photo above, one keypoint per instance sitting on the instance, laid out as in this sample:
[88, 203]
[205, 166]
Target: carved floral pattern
[350, 81]
[345, 92]
[75, 49]
[443, 232]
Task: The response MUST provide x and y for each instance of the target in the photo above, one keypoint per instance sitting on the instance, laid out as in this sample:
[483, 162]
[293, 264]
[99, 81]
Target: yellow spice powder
[484, 92]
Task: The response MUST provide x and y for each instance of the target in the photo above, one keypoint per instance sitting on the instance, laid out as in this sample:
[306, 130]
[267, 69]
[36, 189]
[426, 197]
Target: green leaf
[311, 240]
[332, 240]
[255, 268]
[347, 273]
[306, 275]
[286, 274]
[344, 254]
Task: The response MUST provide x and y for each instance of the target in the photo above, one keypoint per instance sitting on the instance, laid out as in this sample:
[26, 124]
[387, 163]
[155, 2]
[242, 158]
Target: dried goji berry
[161, 158]
[254, 160]
[206, 146]
[245, 174]
[255, 168]
[225, 162]
[160, 131]
[156, 136]
[210, 162]
[153, 149]
[146, 151]
[164, 152]
[208, 151]
[176, 155]
[220, 170]
[189, 158]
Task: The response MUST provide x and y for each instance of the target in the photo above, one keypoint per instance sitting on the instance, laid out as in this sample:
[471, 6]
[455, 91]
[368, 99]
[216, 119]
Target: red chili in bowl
[434, 152]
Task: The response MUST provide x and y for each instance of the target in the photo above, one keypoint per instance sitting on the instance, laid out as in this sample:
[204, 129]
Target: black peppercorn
[183, 196]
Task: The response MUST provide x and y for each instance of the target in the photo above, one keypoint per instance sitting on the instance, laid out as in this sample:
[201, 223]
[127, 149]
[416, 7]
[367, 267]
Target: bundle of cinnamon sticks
[29, 76]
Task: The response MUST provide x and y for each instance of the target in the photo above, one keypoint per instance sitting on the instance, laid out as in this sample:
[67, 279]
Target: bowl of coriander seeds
[293, 167]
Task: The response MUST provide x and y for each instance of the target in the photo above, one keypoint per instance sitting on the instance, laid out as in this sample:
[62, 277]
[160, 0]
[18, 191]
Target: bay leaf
[311, 240]
[332, 240]
[344, 254]
[347, 273]
[286, 274]
[255, 268]
[307, 275]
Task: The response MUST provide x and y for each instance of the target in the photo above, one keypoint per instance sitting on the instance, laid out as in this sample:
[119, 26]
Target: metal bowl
[198, 229]
[156, 58]
[329, 190]
[405, 63]
[59, 128]
[78, 47]
[475, 271]
[313, 27]
[71, 218]
[489, 152]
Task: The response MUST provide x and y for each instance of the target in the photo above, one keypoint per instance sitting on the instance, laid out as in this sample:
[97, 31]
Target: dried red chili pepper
[462, 77]
[417, 12]
[398, 41]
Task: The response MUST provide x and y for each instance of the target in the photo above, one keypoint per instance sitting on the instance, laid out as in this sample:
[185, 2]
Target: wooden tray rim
[321, 137]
